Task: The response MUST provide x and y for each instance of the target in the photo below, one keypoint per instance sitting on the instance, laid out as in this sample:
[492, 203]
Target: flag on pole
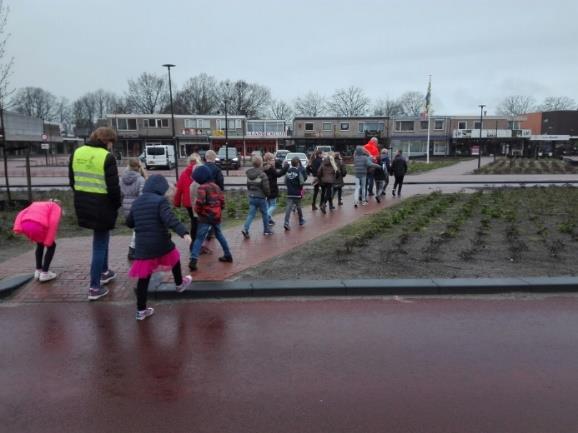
[424, 115]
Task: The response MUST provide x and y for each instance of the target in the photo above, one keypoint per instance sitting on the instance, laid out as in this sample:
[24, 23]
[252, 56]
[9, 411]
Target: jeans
[271, 206]
[254, 204]
[202, 232]
[360, 190]
[99, 263]
[369, 183]
[379, 187]
[293, 202]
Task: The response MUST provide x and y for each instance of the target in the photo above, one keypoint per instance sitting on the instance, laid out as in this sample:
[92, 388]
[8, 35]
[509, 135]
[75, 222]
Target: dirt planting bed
[528, 166]
[506, 232]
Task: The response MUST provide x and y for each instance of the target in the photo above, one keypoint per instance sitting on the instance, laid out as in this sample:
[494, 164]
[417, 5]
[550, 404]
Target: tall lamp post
[169, 66]
[480, 145]
[226, 135]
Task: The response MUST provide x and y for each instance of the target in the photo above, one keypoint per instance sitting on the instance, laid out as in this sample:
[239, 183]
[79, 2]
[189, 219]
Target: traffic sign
[44, 137]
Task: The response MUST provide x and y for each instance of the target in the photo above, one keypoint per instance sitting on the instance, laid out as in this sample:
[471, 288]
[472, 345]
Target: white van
[159, 155]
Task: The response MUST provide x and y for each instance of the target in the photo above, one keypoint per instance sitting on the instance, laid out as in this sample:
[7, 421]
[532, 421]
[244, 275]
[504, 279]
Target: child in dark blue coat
[151, 217]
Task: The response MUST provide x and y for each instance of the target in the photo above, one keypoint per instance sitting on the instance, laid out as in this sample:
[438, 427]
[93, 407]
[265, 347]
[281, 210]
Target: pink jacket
[46, 213]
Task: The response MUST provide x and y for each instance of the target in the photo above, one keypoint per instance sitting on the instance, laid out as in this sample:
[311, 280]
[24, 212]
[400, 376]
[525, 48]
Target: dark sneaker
[355, 205]
[271, 222]
[187, 280]
[323, 210]
[302, 222]
[107, 277]
[393, 193]
[141, 315]
[313, 207]
[226, 259]
[192, 265]
[245, 234]
[377, 199]
[268, 233]
[286, 227]
[94, 294]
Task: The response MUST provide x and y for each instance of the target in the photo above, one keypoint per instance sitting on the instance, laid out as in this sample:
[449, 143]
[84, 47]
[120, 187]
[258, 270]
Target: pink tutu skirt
[34, 231]
[144, 268]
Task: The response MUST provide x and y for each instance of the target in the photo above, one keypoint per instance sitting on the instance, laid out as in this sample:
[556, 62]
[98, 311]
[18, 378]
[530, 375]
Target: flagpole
[427, 145]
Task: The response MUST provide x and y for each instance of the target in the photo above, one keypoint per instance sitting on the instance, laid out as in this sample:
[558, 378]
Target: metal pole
[169, 66]
[28, 174]
[428, 137]
[5, 154]
[480, 144]
[226, 137]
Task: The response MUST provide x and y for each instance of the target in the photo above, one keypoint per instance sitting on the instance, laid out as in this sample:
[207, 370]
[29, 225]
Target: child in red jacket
[39, 222]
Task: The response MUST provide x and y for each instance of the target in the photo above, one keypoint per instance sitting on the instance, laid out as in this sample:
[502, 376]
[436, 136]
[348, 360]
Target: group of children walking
[147, 208]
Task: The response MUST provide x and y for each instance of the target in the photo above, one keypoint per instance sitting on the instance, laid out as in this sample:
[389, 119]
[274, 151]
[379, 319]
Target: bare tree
[35, 102]
[412, 103]
[199, 95]
[244, 98]
[311, 105]
[516, 105]
[5, 63]
[557, 103]
[280, 110]
[387, 107]
[349, 102]
[92, 106]
[148, 94]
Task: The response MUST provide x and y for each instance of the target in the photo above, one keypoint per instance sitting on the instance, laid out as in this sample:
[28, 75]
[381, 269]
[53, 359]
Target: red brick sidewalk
[72, 258]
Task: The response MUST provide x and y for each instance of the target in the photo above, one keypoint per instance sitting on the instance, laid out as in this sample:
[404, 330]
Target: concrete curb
[403, 287]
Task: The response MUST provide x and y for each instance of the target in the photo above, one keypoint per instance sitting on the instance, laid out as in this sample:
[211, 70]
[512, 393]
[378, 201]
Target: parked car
[228, 158]
[302, 157]
[143, 158]
[160, 155]
[280, 157]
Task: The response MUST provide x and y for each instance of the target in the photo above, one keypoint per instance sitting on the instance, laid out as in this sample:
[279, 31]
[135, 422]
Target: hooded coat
[272, 174]
[210, 200]
[151, 217]
[257, 183]
[183, 191]
[45, 213]
[98, 211]
[399, 166]
[326, 173]
[131, 186]
[361, 162]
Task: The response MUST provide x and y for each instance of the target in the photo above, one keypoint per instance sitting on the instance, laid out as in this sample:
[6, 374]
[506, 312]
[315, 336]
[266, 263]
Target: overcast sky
[476, 52]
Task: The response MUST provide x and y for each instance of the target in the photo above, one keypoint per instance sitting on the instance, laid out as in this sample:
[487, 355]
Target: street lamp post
[480, 144]
[169, 66]
[226, 136]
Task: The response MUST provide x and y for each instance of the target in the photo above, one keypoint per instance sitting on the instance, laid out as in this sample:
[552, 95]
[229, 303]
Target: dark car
[228, 158]
[280, 157]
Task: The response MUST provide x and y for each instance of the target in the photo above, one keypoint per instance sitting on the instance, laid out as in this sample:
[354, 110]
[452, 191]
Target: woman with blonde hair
[327, 175]
[272, 174]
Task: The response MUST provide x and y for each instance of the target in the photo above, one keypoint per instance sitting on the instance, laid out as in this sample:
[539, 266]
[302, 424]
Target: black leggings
[326, 194]
[142, 287]
[194, 223]
[338, 190]
[316, 187]
[47, 258]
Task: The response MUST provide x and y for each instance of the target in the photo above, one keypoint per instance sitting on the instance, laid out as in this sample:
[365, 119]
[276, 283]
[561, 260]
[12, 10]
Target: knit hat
[202, 174]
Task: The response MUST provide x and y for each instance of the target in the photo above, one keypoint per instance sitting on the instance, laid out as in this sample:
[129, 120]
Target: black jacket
[98, 211]
[151, 217]
[294, 180]
[216, 174]
[399, 166]
[272, 174]
[313, 167]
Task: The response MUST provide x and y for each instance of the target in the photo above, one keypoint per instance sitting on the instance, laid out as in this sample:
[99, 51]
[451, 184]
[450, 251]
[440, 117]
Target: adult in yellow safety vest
[94, 180]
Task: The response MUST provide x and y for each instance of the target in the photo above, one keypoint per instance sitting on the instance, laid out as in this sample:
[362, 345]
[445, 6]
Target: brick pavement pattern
[72, 258]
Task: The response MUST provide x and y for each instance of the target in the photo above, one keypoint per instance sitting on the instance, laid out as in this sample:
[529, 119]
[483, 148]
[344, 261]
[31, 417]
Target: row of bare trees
[516, 105]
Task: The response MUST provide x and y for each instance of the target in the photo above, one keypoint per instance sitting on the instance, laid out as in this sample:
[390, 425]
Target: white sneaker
[185, 284]
[37, 274]
[141, 315]
[46, 276]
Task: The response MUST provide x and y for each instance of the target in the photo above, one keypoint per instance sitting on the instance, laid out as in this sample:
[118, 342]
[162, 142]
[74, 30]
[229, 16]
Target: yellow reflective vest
[88, 169]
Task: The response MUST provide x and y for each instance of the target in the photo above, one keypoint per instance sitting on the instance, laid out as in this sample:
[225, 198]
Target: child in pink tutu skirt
[39, 222]
[151, 217]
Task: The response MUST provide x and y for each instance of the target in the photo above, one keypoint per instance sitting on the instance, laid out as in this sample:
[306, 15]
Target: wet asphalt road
[364, 365]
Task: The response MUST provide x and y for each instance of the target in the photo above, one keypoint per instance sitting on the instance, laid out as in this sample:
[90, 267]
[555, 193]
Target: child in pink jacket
[39, 223]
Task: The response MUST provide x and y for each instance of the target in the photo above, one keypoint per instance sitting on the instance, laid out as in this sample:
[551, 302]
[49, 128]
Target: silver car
[302, 157]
